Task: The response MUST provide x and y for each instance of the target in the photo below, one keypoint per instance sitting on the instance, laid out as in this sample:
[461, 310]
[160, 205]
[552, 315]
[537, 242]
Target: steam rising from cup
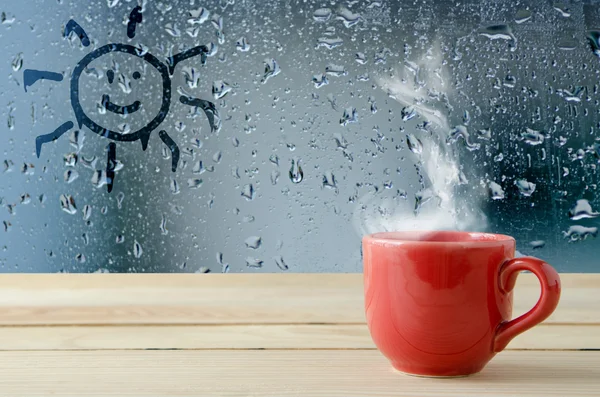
[422, 88]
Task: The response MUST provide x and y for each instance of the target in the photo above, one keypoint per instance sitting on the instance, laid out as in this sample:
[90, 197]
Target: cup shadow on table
[529, 372]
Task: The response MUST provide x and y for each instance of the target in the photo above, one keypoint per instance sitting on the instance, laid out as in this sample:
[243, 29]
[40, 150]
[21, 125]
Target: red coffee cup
[439, 303]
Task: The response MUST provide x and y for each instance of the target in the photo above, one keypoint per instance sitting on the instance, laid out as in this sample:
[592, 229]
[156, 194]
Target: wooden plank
[231, 298]
[275, 373]
[289, 336]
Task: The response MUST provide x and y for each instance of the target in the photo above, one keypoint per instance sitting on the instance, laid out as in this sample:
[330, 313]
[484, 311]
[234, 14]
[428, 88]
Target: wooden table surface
[259, 335]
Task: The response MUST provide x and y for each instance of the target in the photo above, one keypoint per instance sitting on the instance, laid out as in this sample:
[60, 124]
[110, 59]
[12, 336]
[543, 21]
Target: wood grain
[289, 336]
[273, 373]
[45, 299]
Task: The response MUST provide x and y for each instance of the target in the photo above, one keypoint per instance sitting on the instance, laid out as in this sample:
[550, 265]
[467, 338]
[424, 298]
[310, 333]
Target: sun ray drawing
[136, 133]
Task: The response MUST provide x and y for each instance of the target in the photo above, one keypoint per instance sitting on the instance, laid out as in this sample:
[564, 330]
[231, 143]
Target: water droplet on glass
[373, 108]
[141, 49]
[17, 62]
[104, 210]
[137, 249]
[217, 156]
[581, 210]
[532, 137]
[350, 116]
[194, 183]
[253, 242]
[7, 225]
[10, 120]
[322, 15]
[27, 169]
[242, 45]
[70, 176]
[500, 32]
[67, 203]
[274, 159]
[347, 17]
[422, 197]
[198, 16]
[522, 16]
[563, 9]
[80, 258]
[296, 173]
[572, 95]
[112, 3]
[124, 83]
[496, 191]
[163, 225]
[70, 159]
[537, 244]
[275, 177]
[499, 157]
[466, 117]
[174, 187]
[280, 262]
[191, 76]
[329, 180]
[200, 169]
[100, 108]
[248, 192]
[360, 58]
[24, 199]
[414, 144]
[89, 162]
[320, 80]
[340, 141]
[254, 262]
[123, 128]
[120, 198]
[381, 56]
[86, 239]
[99, 178]
[407, 113]
[220, 89]
[217, 21]
[525, 188]
[329, 42]
[5, 20]
[166, 153]
[120, 239]
[172, 29]
[461, 131]
[87, 212]
[580, 233]
[271, 69]
[335, 70]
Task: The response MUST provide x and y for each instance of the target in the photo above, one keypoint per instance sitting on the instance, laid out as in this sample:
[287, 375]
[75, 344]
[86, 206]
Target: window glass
[266, 136]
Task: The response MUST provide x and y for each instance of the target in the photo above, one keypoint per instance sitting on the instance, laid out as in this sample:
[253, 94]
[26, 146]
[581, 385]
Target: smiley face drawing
[142, 132]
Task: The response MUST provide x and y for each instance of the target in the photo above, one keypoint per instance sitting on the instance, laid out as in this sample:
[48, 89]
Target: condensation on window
[266, 136]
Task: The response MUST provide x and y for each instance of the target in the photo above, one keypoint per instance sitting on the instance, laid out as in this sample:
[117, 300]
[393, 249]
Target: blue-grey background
[425, 70]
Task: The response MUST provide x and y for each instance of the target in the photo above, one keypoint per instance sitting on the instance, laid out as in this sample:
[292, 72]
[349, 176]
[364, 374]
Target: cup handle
[550, 283]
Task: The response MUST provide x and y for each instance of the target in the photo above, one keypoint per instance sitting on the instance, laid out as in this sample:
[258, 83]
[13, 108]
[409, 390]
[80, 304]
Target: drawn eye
[136, 75]
[111, 76]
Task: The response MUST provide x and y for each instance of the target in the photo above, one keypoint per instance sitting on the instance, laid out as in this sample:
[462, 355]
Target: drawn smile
[111, 107]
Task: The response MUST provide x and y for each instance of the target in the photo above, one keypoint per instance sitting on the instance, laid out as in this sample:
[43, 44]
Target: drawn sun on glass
[163, 71]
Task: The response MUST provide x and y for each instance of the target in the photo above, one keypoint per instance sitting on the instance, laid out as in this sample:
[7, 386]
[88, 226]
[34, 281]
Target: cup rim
[419, 237]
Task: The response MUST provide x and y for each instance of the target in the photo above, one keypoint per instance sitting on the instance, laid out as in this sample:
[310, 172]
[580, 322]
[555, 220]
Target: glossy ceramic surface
[440, 303]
